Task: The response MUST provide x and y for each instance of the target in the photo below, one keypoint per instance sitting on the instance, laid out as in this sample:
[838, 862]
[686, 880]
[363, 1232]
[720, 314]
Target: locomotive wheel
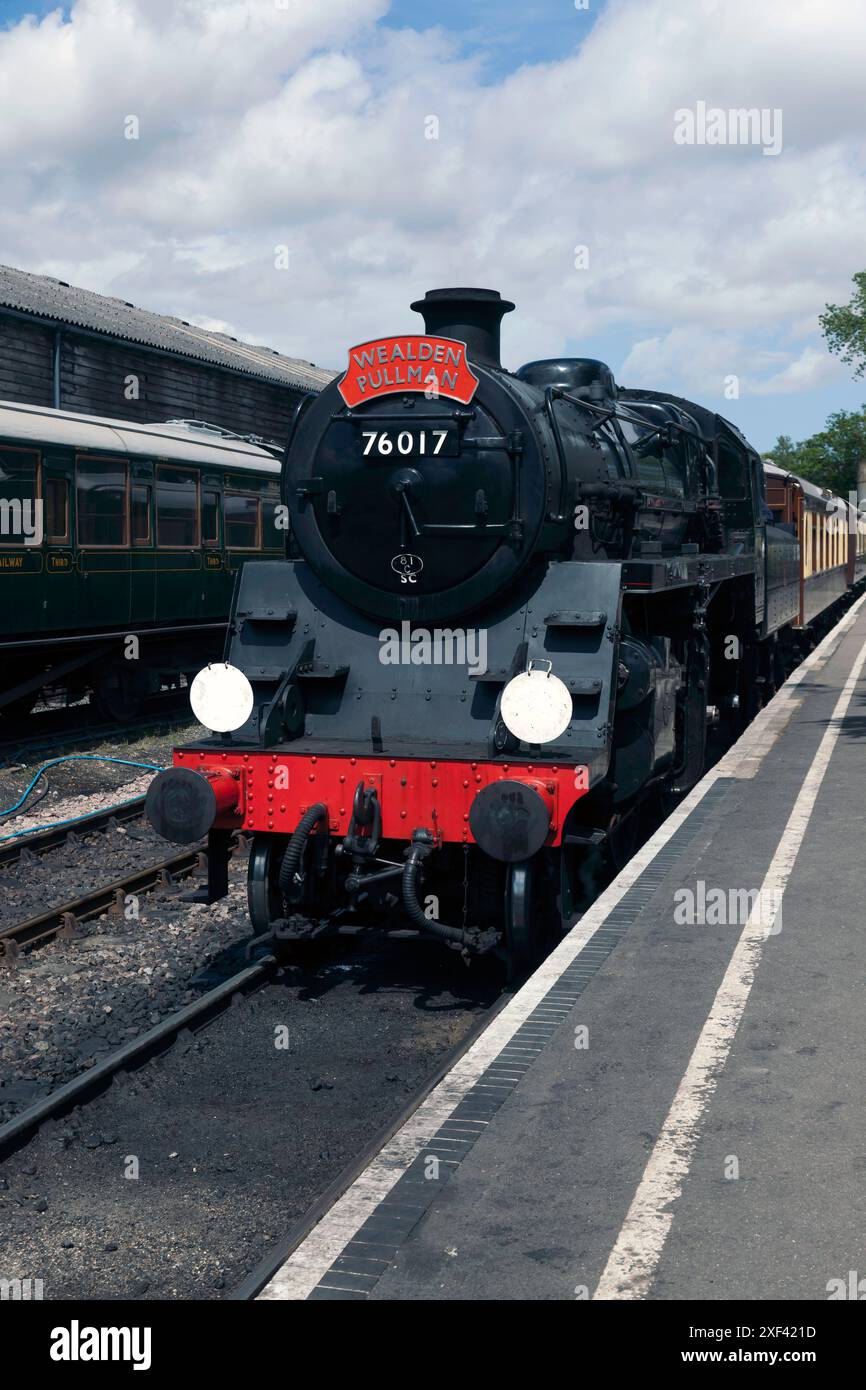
[118, 695]
[624, 837]
[263, 889]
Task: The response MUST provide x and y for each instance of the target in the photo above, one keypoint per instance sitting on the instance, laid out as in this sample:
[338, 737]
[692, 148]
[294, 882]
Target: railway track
[68, 916]
[264, 1270]
[89, 1083]
[65, 918]
[246, 1144]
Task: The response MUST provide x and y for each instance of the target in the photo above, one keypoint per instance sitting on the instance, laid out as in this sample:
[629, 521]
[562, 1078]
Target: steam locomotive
[510, 606]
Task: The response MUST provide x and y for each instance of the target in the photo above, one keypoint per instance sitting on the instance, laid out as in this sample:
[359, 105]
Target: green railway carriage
[119, 546]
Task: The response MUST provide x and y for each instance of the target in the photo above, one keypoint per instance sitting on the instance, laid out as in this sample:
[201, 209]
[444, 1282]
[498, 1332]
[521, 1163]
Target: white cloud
[810, 369]
[304, 126]
[700, 365]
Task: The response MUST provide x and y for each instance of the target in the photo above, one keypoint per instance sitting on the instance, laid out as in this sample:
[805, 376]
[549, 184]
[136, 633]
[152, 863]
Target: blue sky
[13, 10]
[306, 128]
[505, 33]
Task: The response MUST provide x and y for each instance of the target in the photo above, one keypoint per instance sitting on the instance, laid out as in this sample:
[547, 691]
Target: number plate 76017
[426, 441]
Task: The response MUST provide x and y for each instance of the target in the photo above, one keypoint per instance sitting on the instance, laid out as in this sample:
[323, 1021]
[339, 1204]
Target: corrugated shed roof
[48, 298]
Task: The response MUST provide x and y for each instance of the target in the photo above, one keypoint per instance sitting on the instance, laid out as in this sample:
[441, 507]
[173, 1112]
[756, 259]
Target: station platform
[672, 1106]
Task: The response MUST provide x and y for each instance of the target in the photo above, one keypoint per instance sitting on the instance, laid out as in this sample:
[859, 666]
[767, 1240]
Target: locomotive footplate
[271, 791]
[341, 845]
[655, 571]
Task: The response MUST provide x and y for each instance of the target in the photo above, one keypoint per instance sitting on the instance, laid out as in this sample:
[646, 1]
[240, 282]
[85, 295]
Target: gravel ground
[176, 1181]
[78, 787]
[56, 806]
[67, 1003]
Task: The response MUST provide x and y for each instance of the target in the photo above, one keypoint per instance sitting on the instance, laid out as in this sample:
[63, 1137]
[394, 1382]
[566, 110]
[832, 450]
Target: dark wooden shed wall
[26, 362]
[93, 381]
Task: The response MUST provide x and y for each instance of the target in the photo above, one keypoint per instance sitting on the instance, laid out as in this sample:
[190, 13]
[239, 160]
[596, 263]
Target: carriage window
[140, 499]
[19, 519]
[57, 509]
[210, 527]
[101, 501]
[242, 514]
[176, 507]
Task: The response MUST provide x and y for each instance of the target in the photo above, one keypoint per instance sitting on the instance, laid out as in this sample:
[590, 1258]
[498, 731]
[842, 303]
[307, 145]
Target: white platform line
[303, 1269]
[634, 1259]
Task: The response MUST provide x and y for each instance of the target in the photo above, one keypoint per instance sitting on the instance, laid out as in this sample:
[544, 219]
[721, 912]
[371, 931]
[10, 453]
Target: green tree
[844, 326]
[830, 458]
[785, 454]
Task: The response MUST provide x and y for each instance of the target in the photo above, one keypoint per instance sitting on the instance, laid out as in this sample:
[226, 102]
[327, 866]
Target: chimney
[471, 315]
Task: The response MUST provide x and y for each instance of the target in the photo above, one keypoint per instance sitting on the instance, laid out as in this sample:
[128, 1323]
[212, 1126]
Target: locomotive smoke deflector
[470, 315]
